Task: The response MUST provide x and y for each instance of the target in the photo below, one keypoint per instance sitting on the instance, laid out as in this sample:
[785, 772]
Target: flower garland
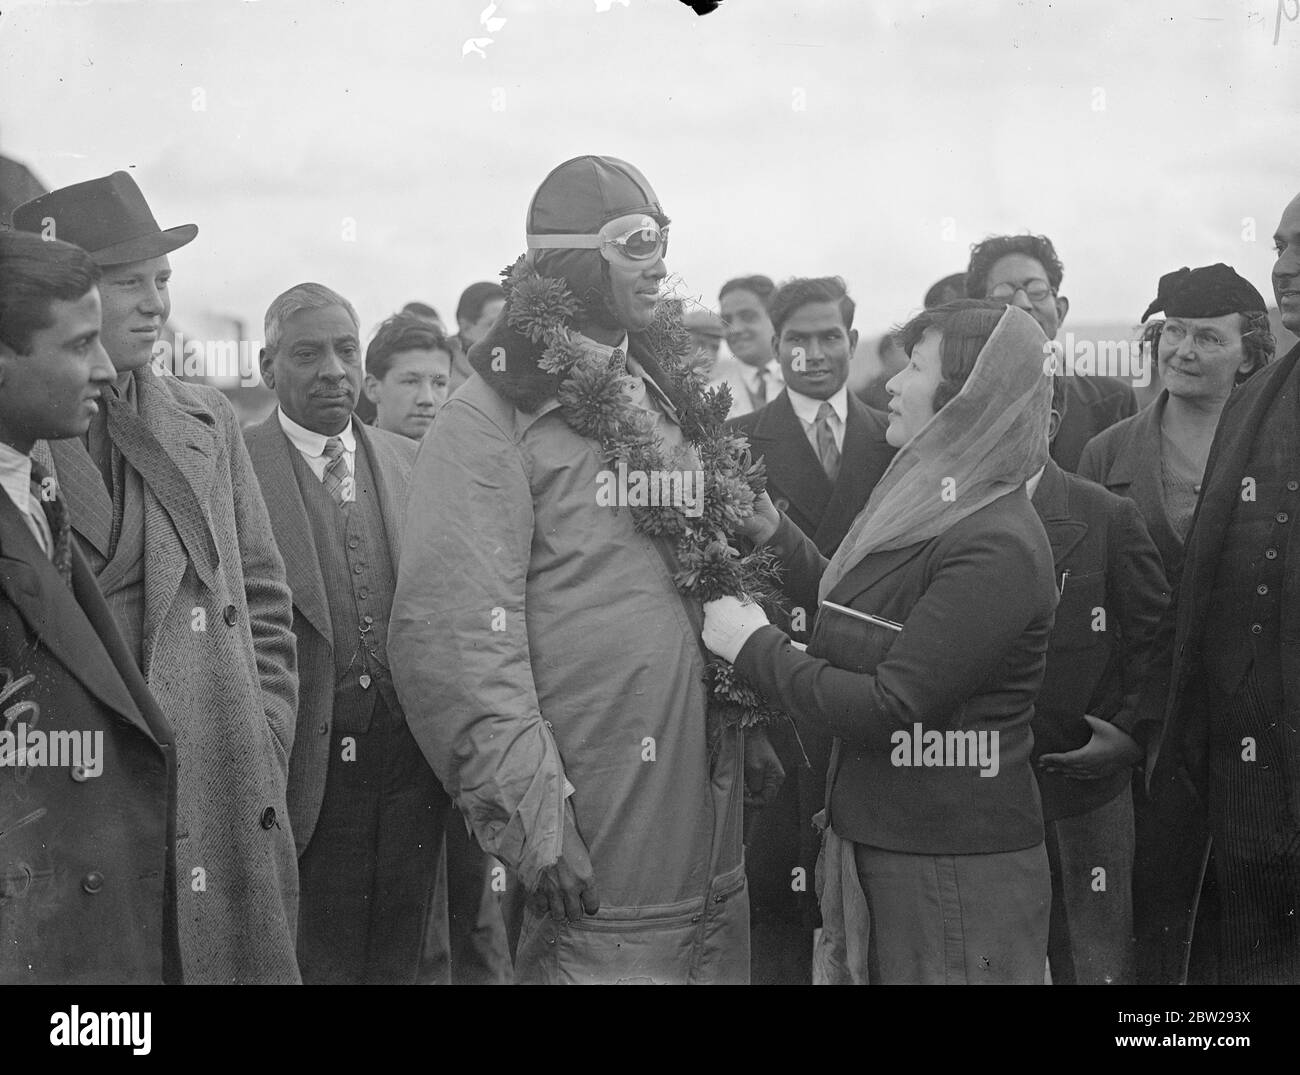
[593, 401]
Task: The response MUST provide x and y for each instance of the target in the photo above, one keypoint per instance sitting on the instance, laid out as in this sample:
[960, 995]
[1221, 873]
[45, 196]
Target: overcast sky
[869, 138]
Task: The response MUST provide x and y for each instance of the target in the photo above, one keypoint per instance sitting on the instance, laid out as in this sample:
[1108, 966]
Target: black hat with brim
[1210, 291]
[107, 217]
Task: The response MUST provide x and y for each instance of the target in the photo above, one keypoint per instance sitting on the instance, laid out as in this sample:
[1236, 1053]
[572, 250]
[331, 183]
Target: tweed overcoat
[219, 658]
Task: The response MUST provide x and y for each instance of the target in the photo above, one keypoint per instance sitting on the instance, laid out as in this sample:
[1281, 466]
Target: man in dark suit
[366, 810]
[164, 506]
[88, 824]
[1230, 665]
[1024, 271]
[824, 452]
[1112, 595]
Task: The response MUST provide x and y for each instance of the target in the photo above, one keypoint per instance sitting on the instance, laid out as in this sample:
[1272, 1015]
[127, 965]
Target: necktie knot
[825, 412]
[338, 480]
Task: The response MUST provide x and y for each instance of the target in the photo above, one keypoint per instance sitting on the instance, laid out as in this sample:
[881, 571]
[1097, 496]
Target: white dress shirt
[806, 408]
[16, 480]
[763, 389]
[312, 447]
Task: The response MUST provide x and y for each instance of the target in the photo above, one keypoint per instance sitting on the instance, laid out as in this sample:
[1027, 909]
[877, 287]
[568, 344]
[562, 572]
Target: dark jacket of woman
[976, 605]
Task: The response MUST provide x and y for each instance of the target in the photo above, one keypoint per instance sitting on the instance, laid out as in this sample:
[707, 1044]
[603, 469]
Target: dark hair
[401, 332]
[34, 273]
[945, 290]
[966, 325]
[984, 255]
[1257, 341]
[800, 291]
[761, 286]
[421, 309]
[475, 297]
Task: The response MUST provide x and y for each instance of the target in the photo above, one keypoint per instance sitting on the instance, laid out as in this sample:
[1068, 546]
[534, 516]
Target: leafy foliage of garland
[593, 401]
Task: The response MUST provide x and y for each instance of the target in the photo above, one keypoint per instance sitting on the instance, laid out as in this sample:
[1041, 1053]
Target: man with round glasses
[549, 666]
[1024, 271]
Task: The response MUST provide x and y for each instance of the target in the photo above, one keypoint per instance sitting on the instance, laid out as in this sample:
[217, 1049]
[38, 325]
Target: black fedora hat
[107, 217]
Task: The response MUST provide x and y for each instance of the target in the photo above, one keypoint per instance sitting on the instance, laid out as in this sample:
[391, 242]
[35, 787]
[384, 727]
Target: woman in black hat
[1214, 336]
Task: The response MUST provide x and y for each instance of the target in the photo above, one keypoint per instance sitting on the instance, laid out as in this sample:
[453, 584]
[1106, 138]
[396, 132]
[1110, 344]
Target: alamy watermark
[948, 749]
[1129, 359]
[26, 747]
[621, 488]
[209, 359]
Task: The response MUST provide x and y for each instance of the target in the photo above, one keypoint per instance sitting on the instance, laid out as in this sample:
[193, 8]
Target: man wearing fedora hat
[164, 505]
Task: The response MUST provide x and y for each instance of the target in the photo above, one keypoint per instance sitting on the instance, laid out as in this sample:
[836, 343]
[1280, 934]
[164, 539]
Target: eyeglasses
[1035, 291]
[1203, 339]
[631, 238]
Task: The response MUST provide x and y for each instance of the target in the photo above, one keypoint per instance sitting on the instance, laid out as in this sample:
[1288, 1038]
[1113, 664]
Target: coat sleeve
[1140, 595]
[955, 638]
[270, 602]
[458, 639]
[802, 565]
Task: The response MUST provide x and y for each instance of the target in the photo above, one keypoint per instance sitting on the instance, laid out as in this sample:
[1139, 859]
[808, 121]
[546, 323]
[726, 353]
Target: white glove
[728, 625]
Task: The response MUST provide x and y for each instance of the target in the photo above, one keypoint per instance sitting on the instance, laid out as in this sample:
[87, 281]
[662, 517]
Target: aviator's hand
[728, 625]
[764, 773]
[1108, 751]
[567, 889]
[760, 526]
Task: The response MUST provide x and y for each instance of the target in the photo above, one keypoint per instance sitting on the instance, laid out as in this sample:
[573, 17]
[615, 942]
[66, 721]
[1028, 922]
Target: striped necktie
[826, 448]
[45, 494]
[338, 482]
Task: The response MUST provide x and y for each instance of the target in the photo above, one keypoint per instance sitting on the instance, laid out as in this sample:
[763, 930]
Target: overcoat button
[93, 882]
[1281, 516]
[268, 818]
[230, 615]
[1256, 628]
[1270, 554]
[1292, 485]
[1261, 589]
[780, 503]
[80, 773]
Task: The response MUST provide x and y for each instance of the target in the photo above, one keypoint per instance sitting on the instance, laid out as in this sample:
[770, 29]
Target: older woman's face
[1199, 357]
[912, 390]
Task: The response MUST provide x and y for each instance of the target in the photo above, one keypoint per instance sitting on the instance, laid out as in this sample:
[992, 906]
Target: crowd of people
[567, 649]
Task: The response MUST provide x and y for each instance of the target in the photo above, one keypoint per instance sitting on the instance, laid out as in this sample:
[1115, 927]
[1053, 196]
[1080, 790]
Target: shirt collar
[806, 407]
[1031, 483]
[313, 444]
[604, 349]
[16, 477]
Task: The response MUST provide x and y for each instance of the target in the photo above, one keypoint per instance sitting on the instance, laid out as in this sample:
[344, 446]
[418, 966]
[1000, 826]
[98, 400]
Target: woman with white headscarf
[927, 653]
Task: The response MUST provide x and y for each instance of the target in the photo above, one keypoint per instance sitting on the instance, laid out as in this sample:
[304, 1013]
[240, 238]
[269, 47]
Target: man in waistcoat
[367, 811]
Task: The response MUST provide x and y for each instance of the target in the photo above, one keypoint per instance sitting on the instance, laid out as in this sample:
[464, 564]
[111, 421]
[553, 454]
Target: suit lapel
[871, 570]
[269, 449]
[53, 612]
[90, 508]
[384, 464]
[1137, 467]
[792, 466]
[1052, 502]
[864, 459]
[186, 433]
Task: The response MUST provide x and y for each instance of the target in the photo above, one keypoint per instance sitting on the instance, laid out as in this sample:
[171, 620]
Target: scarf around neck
[982, 445]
